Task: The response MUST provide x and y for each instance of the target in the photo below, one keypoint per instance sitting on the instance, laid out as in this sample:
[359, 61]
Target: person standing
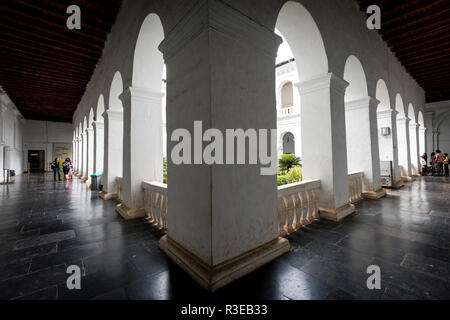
[56, 169]
[433, 163]
[423, 164]
[439, 163]
[66, 168]
[71, 170]
[446, 162]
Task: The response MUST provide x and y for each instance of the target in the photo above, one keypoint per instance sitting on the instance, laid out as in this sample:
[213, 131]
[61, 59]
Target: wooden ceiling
[418, 32]
[44, 66]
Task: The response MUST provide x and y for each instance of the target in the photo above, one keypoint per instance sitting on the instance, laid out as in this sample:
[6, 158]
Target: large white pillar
[324, 147]
[422, 140]
[112, 157]
[388, 143]
[84, 165]
[99, 142]
[80, 156]
[414, 148]
[74, 154]
[404, 155]
[2, 141]
[142, 147]
[362, 144]
[90, 155]
[222, 219]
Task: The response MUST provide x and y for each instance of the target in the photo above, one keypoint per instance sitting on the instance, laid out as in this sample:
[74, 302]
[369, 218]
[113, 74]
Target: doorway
[36, 159]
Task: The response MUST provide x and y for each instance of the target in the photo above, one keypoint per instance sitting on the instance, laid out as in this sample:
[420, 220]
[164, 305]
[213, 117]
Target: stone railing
[286, 112]
[155, 203]
[298, 205]
[355, 186]
[119, 181]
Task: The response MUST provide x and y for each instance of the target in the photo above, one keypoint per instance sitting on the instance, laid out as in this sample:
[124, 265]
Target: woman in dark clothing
[56, 169]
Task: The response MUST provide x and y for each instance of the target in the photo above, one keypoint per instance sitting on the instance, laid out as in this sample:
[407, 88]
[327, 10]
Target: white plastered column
[99, 140]
[90, 155]
[142, 147]
[2, 141]
[222, 219]
[112, 161]
[79, 155]
[75, 157]
[414, 148]
[84, 157]
[404, 155]
[362, 144]
[422, 140]
[388, 144]
[324, 147]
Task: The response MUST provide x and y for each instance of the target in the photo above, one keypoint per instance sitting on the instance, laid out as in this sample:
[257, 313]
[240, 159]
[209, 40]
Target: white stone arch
[85, 124]
[115, 91]
[361, 127]
[399, 106]
[148, 61]
[382, 95]
[403, 142]
[300, 30]
[100, 109]
[412, 113]
[356, 77]
[420, 119]
[91, 118]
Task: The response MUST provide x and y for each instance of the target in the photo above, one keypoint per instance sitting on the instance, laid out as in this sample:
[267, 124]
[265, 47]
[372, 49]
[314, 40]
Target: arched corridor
[297, 140]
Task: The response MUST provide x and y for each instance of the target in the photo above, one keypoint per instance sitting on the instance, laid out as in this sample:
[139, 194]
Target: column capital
[386, 113]
[141, 94]
[366, 102]
[88, 130]
[423, 129]
[113, 115]
[321, 82]
[216, 16]
[98, 125]
[413, 124]
[404, 118]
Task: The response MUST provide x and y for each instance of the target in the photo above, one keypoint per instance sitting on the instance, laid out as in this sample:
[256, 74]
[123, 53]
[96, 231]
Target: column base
[407, 179]
[83, 179]
[416, 175]
[130, 214]
[398, 184]
[212, 278]
[107, 196]
[88, 183]
[374, 194]
[337, 214]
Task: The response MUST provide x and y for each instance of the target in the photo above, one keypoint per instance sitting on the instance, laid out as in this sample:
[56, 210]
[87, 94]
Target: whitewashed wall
[11, 133]
[43, 135]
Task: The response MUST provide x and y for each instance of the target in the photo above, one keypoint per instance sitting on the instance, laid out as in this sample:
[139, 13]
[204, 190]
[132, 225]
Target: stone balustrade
[355, 186]
[119, 181]
[298, 205]
[286, 112]
[155, 203]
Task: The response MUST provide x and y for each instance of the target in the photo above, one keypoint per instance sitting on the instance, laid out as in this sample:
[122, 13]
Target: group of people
[438, 165]
[67, 169]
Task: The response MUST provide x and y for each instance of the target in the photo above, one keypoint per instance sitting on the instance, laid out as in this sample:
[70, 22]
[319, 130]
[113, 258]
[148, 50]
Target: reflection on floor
[47, 226]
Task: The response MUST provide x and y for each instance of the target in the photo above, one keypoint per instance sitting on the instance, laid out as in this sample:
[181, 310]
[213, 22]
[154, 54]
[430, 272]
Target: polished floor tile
[48, 226]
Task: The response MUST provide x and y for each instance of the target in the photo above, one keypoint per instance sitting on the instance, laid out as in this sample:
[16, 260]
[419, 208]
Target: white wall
[11, 133]
[44, 135]
[444, 135]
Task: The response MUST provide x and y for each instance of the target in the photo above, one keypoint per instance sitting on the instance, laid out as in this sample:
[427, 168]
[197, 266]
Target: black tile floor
[47, 226]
